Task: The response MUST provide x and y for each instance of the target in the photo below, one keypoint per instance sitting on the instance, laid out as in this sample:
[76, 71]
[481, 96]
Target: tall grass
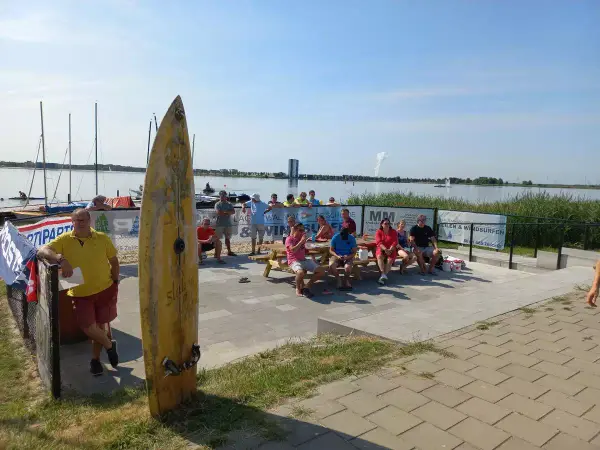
[526, 207]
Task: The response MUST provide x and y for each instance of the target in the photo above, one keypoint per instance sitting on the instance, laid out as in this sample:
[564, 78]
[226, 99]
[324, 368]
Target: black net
[23, 313]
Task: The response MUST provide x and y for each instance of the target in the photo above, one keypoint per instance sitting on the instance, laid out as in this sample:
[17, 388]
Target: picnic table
[277, 257]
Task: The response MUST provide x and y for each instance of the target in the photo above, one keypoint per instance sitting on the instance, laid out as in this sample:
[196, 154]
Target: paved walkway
[527, 382]
[237, 320]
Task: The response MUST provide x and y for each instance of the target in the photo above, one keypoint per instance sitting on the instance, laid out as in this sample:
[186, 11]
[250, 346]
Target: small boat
[208, 189]
[26, 198]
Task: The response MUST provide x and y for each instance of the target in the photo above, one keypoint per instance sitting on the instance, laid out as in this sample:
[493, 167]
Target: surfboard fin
[172, 369]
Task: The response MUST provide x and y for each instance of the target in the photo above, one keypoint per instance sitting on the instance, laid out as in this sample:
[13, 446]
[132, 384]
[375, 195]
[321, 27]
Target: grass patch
[527, 310]
[232, 397]
[548, 309]
[567, 308]
[427, 375]
[583, 287]
[566, 302]
[300, 412]
[559, 299]
[486, 325]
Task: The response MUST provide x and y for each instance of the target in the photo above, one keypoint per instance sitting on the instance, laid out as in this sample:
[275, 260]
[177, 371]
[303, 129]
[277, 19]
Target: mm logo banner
[375, 214]
[489, 230]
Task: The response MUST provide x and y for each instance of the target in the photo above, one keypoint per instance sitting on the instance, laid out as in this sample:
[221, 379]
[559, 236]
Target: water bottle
[314, 237]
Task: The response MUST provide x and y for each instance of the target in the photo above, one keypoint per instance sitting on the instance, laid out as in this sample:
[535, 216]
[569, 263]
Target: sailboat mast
[193, 148]
[70, 158]
[155, 123]
[148, 153]
[96, 141]
[44, 154]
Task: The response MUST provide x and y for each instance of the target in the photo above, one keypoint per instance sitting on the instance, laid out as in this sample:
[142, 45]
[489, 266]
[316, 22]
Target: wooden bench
[260, 258]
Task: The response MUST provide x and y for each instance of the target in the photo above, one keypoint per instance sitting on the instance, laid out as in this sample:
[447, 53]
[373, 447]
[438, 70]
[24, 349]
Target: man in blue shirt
[258, 209]
[342, 250]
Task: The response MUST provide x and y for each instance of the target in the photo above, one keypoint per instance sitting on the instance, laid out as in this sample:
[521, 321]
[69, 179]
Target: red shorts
[98, 308]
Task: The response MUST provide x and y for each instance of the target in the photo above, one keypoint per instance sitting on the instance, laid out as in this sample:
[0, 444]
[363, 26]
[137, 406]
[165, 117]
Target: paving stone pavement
[236, 320]
[500, 391]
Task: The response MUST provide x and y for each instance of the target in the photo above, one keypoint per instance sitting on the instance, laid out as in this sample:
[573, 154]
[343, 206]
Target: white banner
[44, 231]
[276, 220]
[375, 214]
[123, 227]
[455, 226]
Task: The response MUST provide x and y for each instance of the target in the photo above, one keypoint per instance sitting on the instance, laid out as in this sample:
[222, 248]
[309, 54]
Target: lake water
[83, 187]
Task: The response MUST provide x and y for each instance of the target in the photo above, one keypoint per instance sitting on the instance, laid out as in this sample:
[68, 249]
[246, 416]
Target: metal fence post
[586, 236]
[512, 246]
[471, 244]
[561, 242]
[362, 221]
[537, 238]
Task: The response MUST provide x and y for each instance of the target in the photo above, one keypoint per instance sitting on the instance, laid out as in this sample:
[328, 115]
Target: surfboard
[168, 271]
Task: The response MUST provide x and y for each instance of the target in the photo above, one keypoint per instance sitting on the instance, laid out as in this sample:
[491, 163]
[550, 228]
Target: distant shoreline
[233, 173]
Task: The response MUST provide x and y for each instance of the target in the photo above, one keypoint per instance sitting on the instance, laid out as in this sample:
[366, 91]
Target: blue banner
[15, 252]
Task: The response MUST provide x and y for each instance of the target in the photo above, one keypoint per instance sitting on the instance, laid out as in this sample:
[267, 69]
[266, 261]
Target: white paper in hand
[74, 280]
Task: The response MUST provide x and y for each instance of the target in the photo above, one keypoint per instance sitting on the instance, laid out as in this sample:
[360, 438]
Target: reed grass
[552, 211]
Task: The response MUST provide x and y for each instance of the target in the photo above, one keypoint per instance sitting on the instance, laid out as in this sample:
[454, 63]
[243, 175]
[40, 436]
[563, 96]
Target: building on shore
[293, 169]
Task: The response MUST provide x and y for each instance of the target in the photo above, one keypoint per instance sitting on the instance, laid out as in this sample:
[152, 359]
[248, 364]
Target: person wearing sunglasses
[386, 240]
[420, 236]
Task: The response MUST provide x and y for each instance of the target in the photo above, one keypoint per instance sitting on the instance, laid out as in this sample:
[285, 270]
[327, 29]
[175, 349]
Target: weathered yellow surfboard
[168, 271]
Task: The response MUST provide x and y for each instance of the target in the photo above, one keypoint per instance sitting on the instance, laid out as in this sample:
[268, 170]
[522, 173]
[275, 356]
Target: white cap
[256, 197]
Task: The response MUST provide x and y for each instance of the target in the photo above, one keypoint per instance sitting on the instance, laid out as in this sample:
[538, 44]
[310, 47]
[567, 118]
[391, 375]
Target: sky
[505, 88]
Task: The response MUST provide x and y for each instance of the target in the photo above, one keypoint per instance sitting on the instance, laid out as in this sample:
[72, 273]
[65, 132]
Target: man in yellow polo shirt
[95, 300]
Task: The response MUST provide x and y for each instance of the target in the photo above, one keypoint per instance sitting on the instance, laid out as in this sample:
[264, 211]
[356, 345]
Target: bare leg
[218, 246]
[200, 253]
[299, 281]
[260, 242]
[420, 261]
[98, 335]
[347, 272]
[253, 245]
[381, 263]
[228, 244]
[433, 260]
[316, 276]
[333, 271]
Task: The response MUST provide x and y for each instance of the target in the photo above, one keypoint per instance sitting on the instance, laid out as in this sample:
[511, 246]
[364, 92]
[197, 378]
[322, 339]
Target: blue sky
[448, 88]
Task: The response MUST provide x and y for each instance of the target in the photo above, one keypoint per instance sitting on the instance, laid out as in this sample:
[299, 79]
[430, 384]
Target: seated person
[296, 257]
[22, 195]
[291, 221]
[386, 240]
[289, 201]
[420, 235]
[348, 222]
[98, 203]
[312, 199]
[274, 203]
[404, 250]
[325, 230]
[332, 202]
[207, 241]
[342, 250]
[302, 200]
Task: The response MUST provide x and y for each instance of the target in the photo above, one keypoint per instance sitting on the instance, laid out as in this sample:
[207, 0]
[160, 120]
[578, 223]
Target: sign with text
[46, 230]
[276, 220]
[123, 227]
[455, 226]
[15, 252]
[375, 214]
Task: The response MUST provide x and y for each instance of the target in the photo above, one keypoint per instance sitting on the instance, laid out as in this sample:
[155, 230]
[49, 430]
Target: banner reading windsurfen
[455, 226]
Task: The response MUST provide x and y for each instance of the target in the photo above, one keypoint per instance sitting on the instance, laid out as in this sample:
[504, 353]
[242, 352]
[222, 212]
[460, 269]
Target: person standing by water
[224, 225]
[386, 240]
[592, 295]
[258, 210]
[94, 301]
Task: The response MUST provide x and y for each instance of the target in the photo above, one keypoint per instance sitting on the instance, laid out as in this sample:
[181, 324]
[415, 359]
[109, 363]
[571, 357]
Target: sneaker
[113, 356]
[204, 256]
[381, 280]
[96, 367]
[231, 254]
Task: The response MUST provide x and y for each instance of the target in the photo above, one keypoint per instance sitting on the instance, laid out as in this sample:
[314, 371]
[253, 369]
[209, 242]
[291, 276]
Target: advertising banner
[375, 214]
[15, 253]
[44, 231]
[276, 220]
[455, 226]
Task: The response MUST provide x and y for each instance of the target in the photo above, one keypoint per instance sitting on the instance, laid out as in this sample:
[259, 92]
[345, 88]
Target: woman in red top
[386, 240]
